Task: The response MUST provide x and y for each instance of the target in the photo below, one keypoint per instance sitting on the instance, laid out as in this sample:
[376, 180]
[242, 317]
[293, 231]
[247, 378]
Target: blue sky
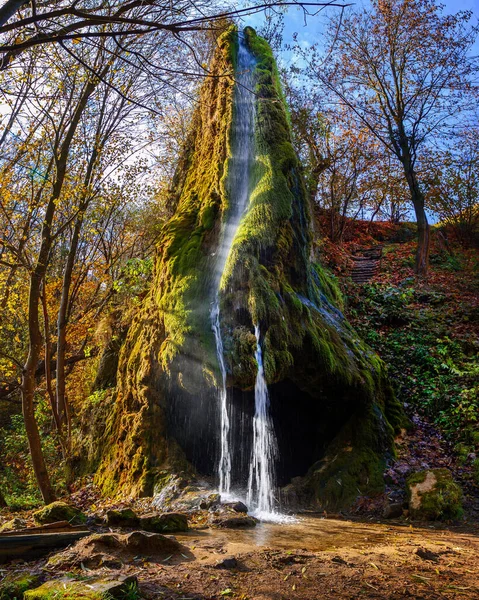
[309, 34]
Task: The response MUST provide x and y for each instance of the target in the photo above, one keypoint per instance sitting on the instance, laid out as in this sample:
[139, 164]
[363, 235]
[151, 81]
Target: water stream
[238, 185]
[261, 482]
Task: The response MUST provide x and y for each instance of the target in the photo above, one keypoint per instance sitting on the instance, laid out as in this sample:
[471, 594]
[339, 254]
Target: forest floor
[308, 560]
[427, 332]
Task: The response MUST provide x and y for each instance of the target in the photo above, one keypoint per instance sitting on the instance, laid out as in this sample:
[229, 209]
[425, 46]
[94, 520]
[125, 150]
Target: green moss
[433, 495]
[58, 511]
[268, 280]
[13, 587]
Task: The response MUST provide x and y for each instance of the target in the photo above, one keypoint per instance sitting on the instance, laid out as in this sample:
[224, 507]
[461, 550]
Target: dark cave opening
[304, 427]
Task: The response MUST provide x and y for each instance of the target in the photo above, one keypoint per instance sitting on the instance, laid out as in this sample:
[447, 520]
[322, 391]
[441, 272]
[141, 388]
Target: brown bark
[423, 241]
[28, 385]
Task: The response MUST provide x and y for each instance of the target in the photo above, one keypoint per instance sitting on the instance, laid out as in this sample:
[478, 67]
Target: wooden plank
[35, 545]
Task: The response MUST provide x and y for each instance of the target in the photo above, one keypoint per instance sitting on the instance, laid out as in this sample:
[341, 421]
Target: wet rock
[89, 588]
[58, 511]
[227, 563]
[125, 517]
[164, 523]
[393, 510]
[227, 522]
[13, 524]
[433, 495]
[113, 549]
[238, 507]
[211, 501]
[14, 586]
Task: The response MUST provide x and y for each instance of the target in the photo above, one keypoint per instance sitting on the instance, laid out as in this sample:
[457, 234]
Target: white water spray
[261, 482]
[238, 185]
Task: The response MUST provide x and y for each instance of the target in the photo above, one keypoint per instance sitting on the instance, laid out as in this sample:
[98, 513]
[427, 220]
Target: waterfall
[261, 482]
[238, 188]
[224, 468]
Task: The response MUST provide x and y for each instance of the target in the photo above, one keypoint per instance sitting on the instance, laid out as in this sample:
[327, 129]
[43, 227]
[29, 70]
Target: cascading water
[261, 482]
[238, 185]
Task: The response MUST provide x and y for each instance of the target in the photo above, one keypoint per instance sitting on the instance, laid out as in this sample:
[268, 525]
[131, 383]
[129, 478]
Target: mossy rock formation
[332, 407]
[434, 496]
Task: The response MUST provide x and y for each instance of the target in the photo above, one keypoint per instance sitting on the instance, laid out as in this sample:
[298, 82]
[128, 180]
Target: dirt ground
[313, 559]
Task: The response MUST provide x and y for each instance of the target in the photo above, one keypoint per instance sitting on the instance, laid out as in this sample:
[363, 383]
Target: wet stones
[238, 507]
[231, 522]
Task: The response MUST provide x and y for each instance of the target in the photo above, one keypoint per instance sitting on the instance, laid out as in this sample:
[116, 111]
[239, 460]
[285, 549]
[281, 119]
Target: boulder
[14, 586]
[13, 524]
[124, 517]
[238, 506]
[433, 495]
[111, 550]
[164, 523]
[93, 589]
[58, 511]
[227, 522]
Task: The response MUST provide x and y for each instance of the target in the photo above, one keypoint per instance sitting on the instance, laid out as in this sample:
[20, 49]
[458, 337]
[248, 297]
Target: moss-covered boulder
[331, 403]
[13, 524]
[125, 517]
[58, 511]
[13, 587]
[433, 495]
[164, 523]
[89, 589]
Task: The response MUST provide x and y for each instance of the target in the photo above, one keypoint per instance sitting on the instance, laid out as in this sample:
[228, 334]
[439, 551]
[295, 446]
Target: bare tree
[404, 70]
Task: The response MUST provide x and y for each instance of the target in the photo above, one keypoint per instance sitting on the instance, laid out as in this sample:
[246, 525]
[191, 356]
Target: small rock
[122, 518]
[234, 522]
[210, 501]
[89, 588]
[393, 510]
[164, 523]
[238, 507]
[58, 511]
[227, 563]
[427, 554]
[13, 525]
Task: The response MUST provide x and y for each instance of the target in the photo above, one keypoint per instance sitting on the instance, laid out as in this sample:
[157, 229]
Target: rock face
[58, 511]
[332, 407]
[433, 495]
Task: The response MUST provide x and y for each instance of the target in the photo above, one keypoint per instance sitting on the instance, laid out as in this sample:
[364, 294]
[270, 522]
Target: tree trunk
[29, 383]
[423, 241]
[3, 502]
[34, 333]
